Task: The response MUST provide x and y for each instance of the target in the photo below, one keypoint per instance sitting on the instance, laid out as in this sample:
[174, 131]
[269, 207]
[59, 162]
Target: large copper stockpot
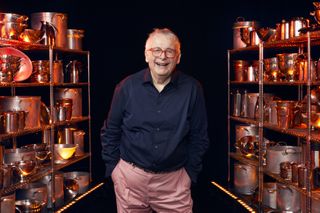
[241, 32]
[277, 154]
[57, 20]
[245, 178]
[29, 104]
[240, 68]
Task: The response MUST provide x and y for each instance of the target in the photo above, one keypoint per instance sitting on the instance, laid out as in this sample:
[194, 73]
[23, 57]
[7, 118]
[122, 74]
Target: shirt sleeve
[110, 134]
[198, 136]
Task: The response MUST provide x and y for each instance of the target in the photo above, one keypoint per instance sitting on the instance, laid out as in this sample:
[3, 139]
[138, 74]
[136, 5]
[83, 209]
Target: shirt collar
[148, 79]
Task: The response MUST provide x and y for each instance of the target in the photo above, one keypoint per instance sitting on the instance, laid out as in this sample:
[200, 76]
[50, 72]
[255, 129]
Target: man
[156, 132]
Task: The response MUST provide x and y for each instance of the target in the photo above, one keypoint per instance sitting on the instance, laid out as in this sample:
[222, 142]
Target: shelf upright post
[89, 115]
[52, 124]
[260, 123]
[228, 118]
[13, 93]
[308, 146]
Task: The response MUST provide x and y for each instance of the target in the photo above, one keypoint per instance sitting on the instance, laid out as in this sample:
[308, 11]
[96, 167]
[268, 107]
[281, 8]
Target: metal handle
[286, 151]
[17, 208]
[240, 19]
[271, 190]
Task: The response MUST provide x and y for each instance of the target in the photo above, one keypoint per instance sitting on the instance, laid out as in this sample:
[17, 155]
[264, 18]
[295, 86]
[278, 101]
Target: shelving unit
[47, 92]
[301, 44]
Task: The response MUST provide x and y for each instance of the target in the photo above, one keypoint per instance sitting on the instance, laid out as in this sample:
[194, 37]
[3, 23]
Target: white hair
[164, 31]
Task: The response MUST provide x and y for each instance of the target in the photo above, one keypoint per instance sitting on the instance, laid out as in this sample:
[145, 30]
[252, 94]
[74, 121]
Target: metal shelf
[276, 83]
[297, 132]
[32, 46]
[288, 43]
[38, 129]
[17, 84]
[69, 162]
[302, 43]
[252, 161]
[50, 167]
[41, 172]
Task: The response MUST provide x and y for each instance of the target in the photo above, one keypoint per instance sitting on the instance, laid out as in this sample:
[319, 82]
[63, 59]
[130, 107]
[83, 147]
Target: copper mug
[67, 103]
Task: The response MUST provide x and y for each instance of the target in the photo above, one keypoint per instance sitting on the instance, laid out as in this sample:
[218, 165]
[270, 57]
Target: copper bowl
[25, 167]
[63, 152]
[267, 34]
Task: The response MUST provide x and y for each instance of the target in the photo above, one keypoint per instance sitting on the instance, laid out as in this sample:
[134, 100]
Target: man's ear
[146, 56]
[179, 57]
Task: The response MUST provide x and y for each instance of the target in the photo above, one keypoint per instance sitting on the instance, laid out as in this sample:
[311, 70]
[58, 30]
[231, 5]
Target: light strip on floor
[246, 206]
[79, 198]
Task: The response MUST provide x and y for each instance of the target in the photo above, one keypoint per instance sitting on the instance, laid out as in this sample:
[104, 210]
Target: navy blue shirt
[158, 131]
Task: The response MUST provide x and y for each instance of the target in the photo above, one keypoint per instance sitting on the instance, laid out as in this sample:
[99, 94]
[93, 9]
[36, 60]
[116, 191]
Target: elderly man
[156, 132]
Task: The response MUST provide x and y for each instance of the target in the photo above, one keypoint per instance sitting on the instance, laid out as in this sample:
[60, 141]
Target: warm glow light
[25, 38]
[12, 33]
[234, 197]
[290, 72]
[303, 125]
[317, 123]
[79, 198]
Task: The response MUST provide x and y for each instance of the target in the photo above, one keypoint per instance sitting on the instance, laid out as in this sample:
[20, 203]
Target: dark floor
[207, 198]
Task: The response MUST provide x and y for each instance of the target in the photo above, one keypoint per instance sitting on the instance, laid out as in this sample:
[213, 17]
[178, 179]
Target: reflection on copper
[24, 38]
[274, 75]
[3, 32]
[11, 33]
[317, 123]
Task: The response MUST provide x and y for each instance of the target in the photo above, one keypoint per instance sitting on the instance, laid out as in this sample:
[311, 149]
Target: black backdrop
[115, 33]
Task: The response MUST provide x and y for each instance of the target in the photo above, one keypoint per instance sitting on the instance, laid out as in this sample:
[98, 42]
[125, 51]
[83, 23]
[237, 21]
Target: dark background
[115, 34]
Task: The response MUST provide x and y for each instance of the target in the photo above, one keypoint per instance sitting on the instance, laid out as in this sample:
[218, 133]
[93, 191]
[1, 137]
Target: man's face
[162, 55]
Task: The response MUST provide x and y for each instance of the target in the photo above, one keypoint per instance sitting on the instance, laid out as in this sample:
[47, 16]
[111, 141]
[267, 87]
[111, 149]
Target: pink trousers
[138, 191]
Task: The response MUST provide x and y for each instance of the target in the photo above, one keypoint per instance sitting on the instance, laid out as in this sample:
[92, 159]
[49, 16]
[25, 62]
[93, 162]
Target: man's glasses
[157, 52]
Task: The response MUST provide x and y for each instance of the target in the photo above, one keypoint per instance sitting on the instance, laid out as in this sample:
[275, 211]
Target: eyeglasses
[157, 52]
